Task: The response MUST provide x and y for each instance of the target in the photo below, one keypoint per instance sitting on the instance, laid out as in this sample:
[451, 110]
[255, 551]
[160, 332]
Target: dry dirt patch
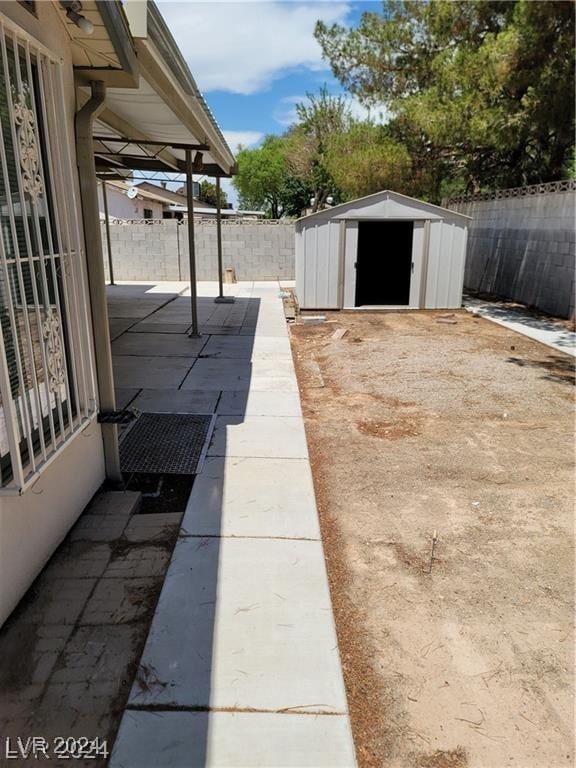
[464, 429]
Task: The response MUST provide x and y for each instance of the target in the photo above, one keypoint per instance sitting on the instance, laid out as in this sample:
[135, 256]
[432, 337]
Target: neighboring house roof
[153, 192]
[169, 196]
[385, 203]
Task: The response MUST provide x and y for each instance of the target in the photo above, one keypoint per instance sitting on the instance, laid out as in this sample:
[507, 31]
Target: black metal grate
[166, 443]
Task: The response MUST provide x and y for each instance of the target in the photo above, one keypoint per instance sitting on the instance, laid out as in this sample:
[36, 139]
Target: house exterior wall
[523, 248]
[121, 207]
[326, 271]
[159, 251]
[34, 523]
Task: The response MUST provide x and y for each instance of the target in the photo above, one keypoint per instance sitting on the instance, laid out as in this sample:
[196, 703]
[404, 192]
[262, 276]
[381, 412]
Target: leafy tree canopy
[261, 175]
[209, 194]
[480, 91]
[364, 159]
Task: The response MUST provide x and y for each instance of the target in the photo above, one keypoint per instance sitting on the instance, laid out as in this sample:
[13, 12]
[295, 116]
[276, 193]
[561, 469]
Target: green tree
[480, 91]
[209, 194]
[366, 159]
[261, 175]
[296, 194]
[320, 117]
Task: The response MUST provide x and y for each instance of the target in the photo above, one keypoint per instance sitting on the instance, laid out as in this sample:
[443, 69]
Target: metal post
[108, 242]
[220, 299]
[191, 244]
[219, 237]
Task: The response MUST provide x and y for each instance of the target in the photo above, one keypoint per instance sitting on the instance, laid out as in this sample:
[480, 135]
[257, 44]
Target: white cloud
[231, 194]
[285, 111]
[236, 139]
[242, 47]
[379, 114]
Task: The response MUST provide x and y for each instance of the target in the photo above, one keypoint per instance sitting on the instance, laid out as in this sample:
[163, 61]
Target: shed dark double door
[384, 263]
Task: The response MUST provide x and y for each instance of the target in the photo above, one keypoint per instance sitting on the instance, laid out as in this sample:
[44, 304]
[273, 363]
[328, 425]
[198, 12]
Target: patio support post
[96, 279]
[220, 299]
[108, 240]
[191, 244]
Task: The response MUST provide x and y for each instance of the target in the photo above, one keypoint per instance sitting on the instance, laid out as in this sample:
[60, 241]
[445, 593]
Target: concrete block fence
[521, 246]
[159, 250]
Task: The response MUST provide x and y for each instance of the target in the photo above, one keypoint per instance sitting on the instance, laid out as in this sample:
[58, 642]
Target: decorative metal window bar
[47, 382]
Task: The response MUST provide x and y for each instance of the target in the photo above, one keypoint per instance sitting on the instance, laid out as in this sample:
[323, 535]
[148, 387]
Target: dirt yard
[417, 426]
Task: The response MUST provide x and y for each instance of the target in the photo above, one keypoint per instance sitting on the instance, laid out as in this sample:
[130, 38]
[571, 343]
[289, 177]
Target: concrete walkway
[538, 327]
[241, 666]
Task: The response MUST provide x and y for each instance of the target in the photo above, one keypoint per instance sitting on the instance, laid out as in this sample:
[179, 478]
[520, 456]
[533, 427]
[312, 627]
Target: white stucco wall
[33, 525]
[121, 207]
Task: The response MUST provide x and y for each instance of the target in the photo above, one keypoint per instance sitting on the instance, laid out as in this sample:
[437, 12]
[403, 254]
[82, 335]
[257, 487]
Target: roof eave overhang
[186, 107]
[116, 24]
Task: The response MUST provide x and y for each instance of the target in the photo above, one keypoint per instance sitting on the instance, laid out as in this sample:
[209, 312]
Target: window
[46, 382]
[148, 213]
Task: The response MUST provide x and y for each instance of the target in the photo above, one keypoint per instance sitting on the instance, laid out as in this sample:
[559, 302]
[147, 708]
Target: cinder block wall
[523, 249]
[159, 251]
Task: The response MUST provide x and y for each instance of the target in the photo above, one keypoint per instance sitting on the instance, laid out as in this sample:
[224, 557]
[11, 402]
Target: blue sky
[254, 60]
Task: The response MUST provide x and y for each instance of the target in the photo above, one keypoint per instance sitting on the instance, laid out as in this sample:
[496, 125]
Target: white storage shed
[384, 250]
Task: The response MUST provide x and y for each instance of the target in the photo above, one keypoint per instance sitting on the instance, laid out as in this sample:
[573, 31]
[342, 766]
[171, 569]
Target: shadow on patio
[242, 648]
[158, 368]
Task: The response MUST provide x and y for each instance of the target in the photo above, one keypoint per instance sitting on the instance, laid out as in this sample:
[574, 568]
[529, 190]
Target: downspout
[96, 279]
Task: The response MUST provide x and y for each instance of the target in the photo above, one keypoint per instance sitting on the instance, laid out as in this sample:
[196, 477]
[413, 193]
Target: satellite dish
[132, 192]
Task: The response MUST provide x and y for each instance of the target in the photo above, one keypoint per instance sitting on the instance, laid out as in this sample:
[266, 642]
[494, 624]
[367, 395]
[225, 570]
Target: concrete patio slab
[252, 611]
[253, 497]
[219, 330]
[132, 308]
[158, 345]
[98, 528]
[63, 601]
[256, 403]
[149, 326]
[232, 740]
[219, 375]
[118, 326]
[274, 437]
[117, 600]
[124, 396]
[115, 504]
[229, 375]
[269, 366]
[229, 347]
[176, 401]
[263, 383]
[151, 529]
[264, 330]
[150, 372]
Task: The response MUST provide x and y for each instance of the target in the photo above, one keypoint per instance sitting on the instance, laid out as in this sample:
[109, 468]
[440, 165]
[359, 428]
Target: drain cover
[166, 443]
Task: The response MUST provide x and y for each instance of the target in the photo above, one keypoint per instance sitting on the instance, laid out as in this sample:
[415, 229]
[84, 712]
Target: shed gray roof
[385, 204]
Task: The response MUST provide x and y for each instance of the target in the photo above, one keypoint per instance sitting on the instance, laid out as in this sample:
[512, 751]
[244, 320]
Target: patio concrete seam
[238, 710]
[185, 535]
[257, 456]
[187, 373]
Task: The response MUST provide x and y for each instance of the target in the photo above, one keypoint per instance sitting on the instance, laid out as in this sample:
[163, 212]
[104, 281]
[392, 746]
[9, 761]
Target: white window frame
[63, 387]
